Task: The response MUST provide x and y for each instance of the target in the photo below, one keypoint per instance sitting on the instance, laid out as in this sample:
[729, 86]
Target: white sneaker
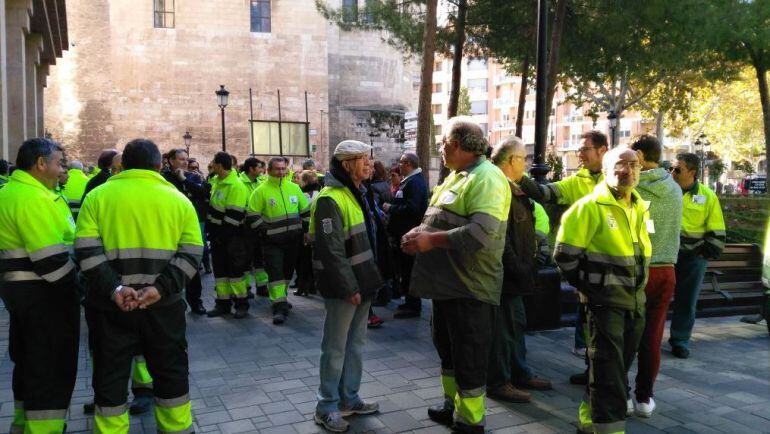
[644, 409]
[629, 407]
[579, 352]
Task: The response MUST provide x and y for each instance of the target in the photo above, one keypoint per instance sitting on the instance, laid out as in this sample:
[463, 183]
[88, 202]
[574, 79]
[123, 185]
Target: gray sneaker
[361, 407]
[332, 422]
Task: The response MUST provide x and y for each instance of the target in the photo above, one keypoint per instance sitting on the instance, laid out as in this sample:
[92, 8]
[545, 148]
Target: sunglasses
[676, 170]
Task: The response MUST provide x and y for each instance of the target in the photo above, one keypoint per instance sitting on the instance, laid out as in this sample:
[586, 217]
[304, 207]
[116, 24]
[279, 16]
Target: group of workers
[129, 241]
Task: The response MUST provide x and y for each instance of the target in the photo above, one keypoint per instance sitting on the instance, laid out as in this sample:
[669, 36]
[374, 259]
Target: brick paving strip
[250, 376]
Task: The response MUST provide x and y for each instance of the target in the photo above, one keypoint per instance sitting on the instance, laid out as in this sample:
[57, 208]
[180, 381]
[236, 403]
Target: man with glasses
[569, 190]
[603, 249]
[459, 248]
[702, 238]
[406, 211]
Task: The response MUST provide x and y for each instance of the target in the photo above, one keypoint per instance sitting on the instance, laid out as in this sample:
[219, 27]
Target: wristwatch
[116, 291]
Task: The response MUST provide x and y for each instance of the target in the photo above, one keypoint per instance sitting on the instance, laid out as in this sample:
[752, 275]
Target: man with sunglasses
[702, 238]
[603, 249]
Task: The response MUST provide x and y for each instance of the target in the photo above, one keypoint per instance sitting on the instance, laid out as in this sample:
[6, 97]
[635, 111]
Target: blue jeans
[341, 354]
[689, 276]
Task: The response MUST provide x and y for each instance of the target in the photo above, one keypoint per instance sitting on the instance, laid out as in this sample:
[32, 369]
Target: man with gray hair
[406, 211]
[458, 248]
[76, 187]
[603, 249]
[508, 366]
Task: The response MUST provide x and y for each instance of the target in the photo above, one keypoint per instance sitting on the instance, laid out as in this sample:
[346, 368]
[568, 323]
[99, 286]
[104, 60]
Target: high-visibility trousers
[43, 345]
[230, 260]
[159, 334]
[280, 260]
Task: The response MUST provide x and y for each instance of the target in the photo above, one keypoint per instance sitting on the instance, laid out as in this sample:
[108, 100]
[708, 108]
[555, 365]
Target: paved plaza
[250, 376]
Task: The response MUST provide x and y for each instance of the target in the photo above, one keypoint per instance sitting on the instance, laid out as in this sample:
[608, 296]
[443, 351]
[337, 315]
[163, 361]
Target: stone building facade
[33, 33]
[150, 68]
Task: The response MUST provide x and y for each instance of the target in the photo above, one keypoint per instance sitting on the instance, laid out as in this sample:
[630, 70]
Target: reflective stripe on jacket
[472, 207]
[598, 254]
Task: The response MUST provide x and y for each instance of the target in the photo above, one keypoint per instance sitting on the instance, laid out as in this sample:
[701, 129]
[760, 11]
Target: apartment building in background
[494, 97]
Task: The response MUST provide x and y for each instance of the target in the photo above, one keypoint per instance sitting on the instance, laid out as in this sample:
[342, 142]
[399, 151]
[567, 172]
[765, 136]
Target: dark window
[437, 109]
[350, 11]
[260, 16]
[437, 87]
[163, 14]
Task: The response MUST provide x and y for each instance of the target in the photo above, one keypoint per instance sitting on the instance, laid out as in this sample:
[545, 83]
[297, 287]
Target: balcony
[503, 102]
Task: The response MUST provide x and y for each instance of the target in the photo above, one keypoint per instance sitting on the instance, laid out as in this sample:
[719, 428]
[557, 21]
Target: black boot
[141, 404]
[221, 307]
[241, 308]
[442, 413]
[280, 312]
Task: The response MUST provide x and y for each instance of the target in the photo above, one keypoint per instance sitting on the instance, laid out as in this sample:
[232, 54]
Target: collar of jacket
[473, 165]
[414, 172]
[331, 181]
[276, 181]
[229, 179]
[24, 177]
[604, 196]
[245, 178]
[140, 174]
[585, 173]
[693, 188]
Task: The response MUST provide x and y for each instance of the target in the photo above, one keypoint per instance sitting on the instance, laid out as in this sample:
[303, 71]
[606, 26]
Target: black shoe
[88, 408]
[141, 405]
[442, 413]
[279, 318]
[262, 291]
[218, 311]
[249, 294]
[406, 313]
[300, 293]
[241, 312]
[579, 379]
[460, 427]
[197, 308]
[680, 351]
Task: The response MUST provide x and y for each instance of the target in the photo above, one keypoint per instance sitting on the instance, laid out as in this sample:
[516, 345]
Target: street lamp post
[613, 118]
[222, 96]
[187, 139]
[372, 135]
[700, 142]
[539, 168]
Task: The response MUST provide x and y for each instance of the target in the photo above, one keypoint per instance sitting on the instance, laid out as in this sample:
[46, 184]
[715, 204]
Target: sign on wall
[292, 141]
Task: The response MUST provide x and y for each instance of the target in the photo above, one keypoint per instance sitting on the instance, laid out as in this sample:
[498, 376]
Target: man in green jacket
[227, 233]
[702, 238]
[458, 264]
[76, 187]
[278, 214]
[252, 176]
[344, 231]
[38, 284]
[3, 172]
[603, 249]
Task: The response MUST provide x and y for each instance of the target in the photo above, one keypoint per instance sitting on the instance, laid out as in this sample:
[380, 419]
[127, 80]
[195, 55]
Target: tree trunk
[659, 118]
[424, 111]
[554, 55]
[765, 98]
[457, 59]
[522, 96]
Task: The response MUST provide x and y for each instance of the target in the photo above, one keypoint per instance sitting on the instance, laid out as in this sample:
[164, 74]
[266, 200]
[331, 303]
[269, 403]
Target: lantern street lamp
[222, 95]
[187, 139]
[613, 118]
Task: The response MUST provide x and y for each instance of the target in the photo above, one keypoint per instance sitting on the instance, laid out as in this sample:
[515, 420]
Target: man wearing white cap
[345, 267]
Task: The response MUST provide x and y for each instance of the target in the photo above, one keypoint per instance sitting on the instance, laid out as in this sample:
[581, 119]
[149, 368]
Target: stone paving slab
[250, 376]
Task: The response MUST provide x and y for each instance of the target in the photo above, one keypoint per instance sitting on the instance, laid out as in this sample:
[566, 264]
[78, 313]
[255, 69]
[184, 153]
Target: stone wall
[124, 79]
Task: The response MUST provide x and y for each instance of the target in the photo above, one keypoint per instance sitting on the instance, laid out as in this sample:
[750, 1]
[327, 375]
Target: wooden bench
[732, 286]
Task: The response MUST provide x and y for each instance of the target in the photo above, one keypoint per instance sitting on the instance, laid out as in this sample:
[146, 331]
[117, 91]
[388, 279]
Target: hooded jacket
[658, 187]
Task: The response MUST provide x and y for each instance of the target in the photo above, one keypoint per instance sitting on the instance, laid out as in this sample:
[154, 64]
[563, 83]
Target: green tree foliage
[464, 107]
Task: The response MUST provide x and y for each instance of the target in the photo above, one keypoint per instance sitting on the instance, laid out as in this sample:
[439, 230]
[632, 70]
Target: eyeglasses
[676, 170]
[584, 149]
[632, 165]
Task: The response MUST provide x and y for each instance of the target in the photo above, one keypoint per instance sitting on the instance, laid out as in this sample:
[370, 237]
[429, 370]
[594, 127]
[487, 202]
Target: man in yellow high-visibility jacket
[136, 273]
[75, 187]
[38, 286]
